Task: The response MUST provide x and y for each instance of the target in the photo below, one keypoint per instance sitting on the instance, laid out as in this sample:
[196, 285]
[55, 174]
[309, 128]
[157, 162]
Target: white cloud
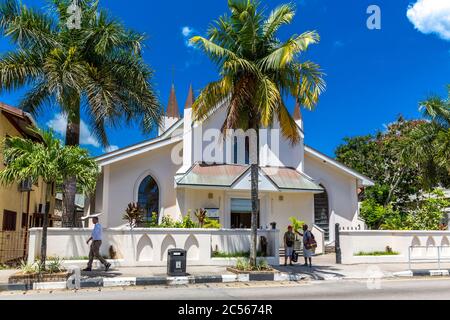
[59, 125]
[110, 149]
[431, 16]
[187, 33]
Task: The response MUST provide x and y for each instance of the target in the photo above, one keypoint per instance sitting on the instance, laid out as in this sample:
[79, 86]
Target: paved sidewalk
[152, 272]
[324, 268]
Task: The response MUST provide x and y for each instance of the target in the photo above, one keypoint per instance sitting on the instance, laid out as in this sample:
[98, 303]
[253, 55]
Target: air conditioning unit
[26, 185]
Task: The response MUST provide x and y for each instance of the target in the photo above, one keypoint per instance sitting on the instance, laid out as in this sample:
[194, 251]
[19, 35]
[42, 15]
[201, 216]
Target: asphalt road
[434, 288]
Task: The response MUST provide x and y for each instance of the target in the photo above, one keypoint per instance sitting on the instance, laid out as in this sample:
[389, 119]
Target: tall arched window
[148, 197]
[321, 212]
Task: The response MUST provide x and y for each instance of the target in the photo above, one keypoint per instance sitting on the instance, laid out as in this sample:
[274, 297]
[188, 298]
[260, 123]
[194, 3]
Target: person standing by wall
[309, 245]
[289, 238]
[94, 252]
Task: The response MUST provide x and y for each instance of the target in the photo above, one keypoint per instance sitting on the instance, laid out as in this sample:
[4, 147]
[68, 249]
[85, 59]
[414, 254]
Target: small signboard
[213, 213]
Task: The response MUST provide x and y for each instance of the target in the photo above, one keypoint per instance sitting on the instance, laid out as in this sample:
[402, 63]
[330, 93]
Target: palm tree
[427, 146]
[437, 109]
[50, 161]
[256, 71]
[96, 65]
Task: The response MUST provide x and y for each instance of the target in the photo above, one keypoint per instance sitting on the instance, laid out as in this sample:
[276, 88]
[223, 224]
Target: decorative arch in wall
[415, 242]
[322, 211]
[445, 244]
[148, 196]
[168, 243]
[192, 248]
[430, 242]
[144, 249]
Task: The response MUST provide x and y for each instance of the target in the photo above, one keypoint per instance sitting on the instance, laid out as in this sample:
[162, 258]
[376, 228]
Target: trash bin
[176, 262]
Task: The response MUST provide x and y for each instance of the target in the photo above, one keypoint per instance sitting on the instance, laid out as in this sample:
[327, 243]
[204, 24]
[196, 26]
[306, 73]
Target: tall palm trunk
[254, 196]
[70, 184]
[254, 173]
[44, 241]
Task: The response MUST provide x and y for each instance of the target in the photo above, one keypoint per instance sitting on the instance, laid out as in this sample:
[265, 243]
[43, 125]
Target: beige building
[22, 205]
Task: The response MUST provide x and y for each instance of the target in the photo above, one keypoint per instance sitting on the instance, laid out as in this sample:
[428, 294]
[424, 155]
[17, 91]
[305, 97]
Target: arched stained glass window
[148, 197]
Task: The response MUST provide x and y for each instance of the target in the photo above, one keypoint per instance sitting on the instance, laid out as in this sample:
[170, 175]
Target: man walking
[94, 251]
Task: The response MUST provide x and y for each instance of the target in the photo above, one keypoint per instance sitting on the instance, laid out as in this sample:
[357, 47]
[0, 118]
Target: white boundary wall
[353, 242]
[148, 247]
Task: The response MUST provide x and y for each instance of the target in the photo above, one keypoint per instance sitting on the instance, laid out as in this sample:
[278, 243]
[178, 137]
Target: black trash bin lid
[176, 252]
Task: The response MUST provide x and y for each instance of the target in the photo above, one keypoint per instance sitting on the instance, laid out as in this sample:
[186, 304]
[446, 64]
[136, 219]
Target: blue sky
[372, 75]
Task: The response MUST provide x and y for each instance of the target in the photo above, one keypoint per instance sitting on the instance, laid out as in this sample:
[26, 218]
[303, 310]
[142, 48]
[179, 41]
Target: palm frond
[267, 100]
[288, 127]
[19, 68]
[25, 26]
[210, 98]
[282, 15]
[437, 109]
[286, 52]
[311, 84]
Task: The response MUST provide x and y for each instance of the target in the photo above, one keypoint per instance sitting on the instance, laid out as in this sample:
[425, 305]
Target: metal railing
[439, 259]
[13, 246]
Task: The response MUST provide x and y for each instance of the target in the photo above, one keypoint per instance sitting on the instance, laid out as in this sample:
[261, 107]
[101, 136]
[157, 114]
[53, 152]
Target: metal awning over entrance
[236, 177]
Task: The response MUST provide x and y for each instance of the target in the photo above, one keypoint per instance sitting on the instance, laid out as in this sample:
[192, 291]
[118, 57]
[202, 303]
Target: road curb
[422, 273]
[157, 280]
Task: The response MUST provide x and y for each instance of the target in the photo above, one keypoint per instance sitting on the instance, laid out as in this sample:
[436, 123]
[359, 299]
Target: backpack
[294, 256]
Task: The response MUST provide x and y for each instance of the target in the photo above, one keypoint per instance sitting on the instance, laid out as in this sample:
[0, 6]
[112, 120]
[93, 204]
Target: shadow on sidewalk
[316, 272]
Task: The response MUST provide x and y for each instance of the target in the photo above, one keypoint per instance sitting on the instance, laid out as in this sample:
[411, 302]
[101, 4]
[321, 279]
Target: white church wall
[341, 189]
[275, 150]
[126, 176]
[149, 247]
[298, 205]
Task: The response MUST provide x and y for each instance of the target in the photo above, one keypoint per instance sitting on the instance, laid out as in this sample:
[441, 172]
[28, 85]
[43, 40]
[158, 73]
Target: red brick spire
[190, 99]
[172, 107]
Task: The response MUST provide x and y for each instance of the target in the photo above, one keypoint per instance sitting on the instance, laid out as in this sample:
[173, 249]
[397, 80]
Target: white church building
[187, 168]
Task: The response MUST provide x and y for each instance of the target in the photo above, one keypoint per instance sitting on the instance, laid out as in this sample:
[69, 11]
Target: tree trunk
[254, 160]
[44, 241]
[254, 197]
[70, 184]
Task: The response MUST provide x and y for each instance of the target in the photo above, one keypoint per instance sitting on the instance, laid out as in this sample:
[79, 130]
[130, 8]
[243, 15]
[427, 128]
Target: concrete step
[330, 249]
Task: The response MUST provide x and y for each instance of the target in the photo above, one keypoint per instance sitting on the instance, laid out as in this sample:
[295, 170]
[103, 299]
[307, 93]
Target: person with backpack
[289, 238]
[309, 245]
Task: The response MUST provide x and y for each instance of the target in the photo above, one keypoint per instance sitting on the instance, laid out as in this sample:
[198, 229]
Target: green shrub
[243, 264]
[188, 223]
[153, 223]
[377, 253]
[30, 268]
[211, 224]
[55, 266]
[430, 212]
[240, 254]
